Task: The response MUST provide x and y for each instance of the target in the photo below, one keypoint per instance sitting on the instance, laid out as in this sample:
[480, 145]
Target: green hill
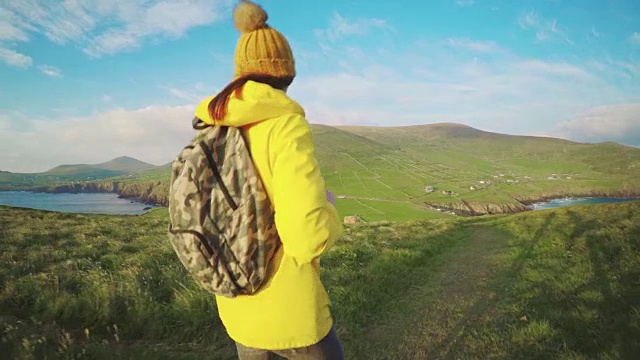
[553, 284]
[73, 173]
[157, 173]
[81, 171]
[125, 164]
[120, 165]
[403, 173]
[371, 166]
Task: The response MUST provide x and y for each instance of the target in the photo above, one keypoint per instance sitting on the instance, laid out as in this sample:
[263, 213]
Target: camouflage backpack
[221, 219]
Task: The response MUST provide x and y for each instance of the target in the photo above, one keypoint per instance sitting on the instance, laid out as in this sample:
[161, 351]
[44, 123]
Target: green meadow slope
[559, 284]
[383, 173]
[474, 167]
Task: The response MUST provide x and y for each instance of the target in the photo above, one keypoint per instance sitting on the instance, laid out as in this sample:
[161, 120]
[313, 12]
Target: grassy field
[554, 284]
[388, 168]
[398, 162]
[372, 210]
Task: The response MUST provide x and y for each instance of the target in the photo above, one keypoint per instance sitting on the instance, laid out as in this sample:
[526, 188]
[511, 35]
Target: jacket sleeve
[307, 223]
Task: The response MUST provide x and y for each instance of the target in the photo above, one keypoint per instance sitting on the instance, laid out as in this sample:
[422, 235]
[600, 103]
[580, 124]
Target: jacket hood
[258, 102]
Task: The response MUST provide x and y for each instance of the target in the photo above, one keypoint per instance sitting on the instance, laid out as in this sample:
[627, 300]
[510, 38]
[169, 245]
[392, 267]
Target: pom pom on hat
[261, 49]
[249, 16]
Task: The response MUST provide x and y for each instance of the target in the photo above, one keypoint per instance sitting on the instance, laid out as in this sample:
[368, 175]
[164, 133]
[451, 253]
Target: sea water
[101, 203]
[578, 201]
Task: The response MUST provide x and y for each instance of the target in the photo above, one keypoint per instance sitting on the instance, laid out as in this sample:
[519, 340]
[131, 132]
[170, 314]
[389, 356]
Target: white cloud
[60, 22]
[107, 26]
[154, 134]
[187, 95]
[508, 95]
[14, 58]
[619, 123]
[635, 37]
[562, 69]
[9, 31]
[500, 92]
[170, 18]
[465, 3]
[111, 42]
[622, 70]
[528, 20]
[51, 71]
[340, 27]
[4, 123]
[545, 29]
[471, 45]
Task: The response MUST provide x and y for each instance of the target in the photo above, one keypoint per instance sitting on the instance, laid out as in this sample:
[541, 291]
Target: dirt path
[430, 323]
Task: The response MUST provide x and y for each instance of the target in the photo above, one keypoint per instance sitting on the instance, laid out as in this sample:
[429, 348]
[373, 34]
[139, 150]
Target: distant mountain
[121, 166]
[125, 164]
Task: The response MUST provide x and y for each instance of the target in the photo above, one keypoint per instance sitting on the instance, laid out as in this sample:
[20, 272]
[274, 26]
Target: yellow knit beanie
[261, 48]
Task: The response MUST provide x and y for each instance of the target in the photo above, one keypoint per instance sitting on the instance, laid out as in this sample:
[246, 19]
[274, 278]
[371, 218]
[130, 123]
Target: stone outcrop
[474, 208]
[154, 192]
[89, 187]
[523, 203]
[352, 219]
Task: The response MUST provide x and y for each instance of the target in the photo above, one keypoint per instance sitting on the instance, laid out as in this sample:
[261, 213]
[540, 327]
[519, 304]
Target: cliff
[523, 203]
[155, 192]
[474, 208]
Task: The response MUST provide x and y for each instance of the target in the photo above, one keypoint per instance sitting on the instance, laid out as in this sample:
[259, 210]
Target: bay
[578, 201]
[109, 203]
[97, 203]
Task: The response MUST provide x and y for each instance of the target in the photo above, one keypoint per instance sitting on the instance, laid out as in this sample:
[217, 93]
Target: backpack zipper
[207, 152]
[210, 252]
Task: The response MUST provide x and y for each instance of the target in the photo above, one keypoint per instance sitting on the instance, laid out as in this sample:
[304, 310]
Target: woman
[290, 315]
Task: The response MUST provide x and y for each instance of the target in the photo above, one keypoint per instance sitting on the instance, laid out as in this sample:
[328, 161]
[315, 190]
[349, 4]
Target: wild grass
[558, 283]
[100, 281]
[569, 287]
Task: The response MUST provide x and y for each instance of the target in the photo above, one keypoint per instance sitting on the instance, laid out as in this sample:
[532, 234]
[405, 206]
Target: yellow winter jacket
[292, 308]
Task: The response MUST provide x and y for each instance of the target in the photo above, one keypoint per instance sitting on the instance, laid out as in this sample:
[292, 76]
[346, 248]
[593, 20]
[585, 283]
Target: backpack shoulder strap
[198, 124]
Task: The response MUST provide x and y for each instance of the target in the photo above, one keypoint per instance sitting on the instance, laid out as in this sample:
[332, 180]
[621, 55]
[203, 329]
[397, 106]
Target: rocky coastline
[151, 193]
[466, 208]
[156, 193]
[521, 204]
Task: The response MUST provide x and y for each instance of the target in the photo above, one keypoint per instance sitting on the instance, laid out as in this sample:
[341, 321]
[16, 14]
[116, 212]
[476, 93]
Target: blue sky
[86, 81]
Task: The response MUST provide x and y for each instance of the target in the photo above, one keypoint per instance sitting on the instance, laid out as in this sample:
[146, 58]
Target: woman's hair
[218, 105]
